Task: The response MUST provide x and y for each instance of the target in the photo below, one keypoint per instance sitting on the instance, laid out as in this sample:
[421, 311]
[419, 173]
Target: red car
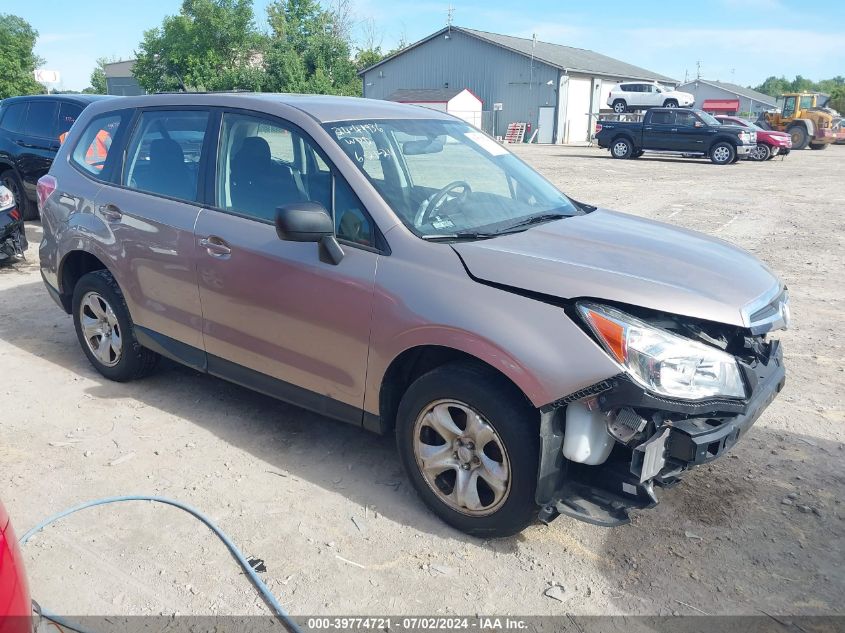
[15, 604]
[770, 143]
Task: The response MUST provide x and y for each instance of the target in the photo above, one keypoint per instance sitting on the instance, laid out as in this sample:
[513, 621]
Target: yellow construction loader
[805, 117]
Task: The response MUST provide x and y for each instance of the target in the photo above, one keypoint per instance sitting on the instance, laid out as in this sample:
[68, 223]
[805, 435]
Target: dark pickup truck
[676, 131]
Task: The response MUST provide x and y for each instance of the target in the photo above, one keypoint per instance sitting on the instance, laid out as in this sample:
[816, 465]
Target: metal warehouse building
[719, 97]
[558, 89]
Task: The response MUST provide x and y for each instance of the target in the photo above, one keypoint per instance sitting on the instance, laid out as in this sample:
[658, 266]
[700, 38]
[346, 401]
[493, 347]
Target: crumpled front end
[608, 447]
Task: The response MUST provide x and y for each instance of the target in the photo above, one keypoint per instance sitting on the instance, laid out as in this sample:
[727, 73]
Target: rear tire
[451, 407]
[105, 330]
[819, 145]
[722, 153]
[621, 148]
[620, 107]
[28, 210]
[800, 138]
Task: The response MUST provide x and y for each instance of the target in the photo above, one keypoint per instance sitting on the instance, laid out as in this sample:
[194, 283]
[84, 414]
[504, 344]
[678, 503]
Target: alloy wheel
[620, 149]
[101, 329]
[722, 154]
[462, 458]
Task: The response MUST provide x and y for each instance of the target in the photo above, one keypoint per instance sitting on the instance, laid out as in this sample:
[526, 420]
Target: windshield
[708, 119]
[446, 178]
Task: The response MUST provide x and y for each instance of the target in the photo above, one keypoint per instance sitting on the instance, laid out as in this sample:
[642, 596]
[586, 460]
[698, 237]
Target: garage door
[577, 110]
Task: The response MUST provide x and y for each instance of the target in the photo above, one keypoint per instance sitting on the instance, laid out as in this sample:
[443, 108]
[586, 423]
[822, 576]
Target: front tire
[761, 152]
[468, 440]
[105, 330]
[621, 148]
[12, 182]
[800, 138]
[722, 153]
[620, 107]
[670, 103]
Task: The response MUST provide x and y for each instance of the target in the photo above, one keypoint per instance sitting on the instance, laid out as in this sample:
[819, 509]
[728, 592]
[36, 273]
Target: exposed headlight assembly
[664, 363]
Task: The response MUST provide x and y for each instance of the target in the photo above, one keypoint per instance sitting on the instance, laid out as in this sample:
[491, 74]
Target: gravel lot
[336, 522]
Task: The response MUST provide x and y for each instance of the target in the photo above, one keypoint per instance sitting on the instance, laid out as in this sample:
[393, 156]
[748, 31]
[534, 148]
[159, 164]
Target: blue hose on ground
[265, 592]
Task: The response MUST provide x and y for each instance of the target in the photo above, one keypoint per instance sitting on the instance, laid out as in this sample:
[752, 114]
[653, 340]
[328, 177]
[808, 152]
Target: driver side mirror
[309, 222]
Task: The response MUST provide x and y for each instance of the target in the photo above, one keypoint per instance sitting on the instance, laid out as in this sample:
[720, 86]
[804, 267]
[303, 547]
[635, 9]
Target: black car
[31, 130]
[676, 131]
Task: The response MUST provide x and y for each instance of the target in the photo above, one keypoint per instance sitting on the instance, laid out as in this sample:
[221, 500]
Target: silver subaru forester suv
[395, 268]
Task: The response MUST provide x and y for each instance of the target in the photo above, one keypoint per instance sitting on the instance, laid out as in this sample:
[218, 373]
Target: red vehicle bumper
[15, 604]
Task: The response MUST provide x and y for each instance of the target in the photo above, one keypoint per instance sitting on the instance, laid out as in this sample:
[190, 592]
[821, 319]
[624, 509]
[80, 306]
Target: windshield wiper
[535, 219]
[463, 235]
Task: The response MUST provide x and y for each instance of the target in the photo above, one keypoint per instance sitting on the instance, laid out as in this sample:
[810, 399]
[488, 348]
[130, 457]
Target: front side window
[264, 164]
[789, 107]
[685, 118]
[14, 117]
[444, 177]
[41, 119]
[164, 153]
[92, 148]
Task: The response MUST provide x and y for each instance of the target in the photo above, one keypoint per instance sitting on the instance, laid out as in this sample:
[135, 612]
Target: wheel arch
[413, 363]
[806, 123]
[73, 266]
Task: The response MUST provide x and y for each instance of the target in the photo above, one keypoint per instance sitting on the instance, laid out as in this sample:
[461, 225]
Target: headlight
[6, 198]
[662, 362]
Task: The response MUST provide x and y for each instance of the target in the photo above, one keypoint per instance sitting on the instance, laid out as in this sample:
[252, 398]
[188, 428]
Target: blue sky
[735, 40]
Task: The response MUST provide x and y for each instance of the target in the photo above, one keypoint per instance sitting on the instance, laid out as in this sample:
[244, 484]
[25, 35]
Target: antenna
[450, 13]
[698, 69]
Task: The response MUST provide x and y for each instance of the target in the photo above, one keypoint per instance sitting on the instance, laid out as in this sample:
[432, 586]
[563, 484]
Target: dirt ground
[326, 506]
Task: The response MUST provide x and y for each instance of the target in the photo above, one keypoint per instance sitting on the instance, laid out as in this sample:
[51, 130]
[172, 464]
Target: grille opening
[713, 448]
[712, 422]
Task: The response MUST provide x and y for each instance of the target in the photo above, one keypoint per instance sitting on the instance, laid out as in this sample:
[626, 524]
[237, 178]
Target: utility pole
[531, 70]
[698, 69]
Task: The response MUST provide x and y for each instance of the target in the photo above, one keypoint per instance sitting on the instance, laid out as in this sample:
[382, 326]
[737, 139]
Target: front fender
[534, 343]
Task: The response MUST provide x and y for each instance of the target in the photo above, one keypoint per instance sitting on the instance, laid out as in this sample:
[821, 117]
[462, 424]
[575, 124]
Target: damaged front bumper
[677, 436]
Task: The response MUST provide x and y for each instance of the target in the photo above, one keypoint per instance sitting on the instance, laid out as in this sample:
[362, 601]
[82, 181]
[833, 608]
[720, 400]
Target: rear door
[38, 142]
[659, 130]
[276, 317]
[151, 211]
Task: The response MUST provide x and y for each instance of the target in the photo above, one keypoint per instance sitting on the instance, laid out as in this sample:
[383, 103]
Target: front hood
[618, 257]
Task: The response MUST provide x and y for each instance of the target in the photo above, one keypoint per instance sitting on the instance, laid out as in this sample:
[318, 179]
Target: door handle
[647, 128]
[674, 129]
[111, 213]
[215, 246]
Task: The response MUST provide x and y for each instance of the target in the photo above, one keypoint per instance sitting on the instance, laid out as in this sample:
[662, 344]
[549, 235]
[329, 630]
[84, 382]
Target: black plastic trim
[171, 348]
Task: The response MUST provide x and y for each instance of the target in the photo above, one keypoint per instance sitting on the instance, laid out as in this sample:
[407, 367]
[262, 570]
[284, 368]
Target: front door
[276, 317]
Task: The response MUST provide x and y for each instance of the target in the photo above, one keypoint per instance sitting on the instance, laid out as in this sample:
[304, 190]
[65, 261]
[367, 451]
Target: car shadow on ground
[647, 158]
[773, 503]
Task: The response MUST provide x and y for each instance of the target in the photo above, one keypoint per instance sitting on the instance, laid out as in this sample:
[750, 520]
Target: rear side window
[95, 143]
[14, 117]
[41, 118]
[164, 153]
[68, 113]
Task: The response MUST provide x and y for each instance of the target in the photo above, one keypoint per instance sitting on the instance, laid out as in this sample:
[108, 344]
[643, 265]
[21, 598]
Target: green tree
[774, 86]
[17, 58]
[309, 49]
[98, 77]
[209, 45]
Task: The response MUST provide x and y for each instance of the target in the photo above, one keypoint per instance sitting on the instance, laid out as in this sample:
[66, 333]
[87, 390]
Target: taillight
[598, 128]
[44, 189]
